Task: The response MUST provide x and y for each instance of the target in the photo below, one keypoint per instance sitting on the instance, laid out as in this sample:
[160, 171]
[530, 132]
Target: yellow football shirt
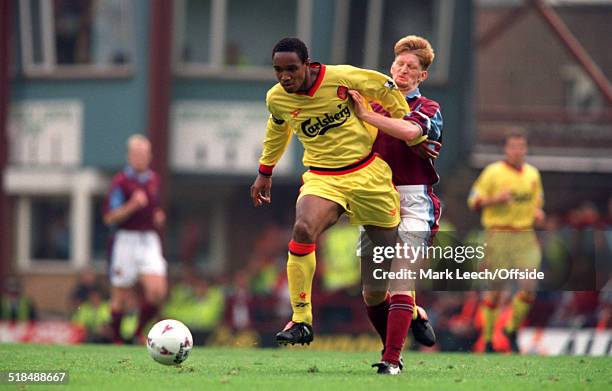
[525, 186]
[324, 119]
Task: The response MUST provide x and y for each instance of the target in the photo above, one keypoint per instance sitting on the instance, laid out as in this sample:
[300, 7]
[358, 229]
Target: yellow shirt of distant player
[525, 186]
[325, 123]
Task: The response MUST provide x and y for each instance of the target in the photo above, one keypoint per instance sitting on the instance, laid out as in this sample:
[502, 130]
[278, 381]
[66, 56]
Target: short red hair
[418, 46]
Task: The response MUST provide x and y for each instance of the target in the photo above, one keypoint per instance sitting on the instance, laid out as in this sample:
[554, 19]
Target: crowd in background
[254, 298]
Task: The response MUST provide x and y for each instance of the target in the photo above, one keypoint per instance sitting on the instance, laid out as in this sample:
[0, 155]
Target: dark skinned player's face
[290, 71]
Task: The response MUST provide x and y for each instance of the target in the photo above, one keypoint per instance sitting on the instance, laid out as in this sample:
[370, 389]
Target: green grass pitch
[97, 367]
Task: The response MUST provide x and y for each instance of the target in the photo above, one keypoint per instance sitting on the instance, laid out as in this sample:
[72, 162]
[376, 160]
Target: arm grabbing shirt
[407, 166]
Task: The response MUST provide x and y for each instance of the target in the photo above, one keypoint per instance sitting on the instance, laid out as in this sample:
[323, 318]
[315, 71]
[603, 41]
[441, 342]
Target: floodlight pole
[575, 48]
[507, 21]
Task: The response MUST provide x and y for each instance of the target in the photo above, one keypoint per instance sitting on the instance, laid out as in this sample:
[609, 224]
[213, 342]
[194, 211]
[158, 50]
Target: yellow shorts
[512, 249]
[365, 191]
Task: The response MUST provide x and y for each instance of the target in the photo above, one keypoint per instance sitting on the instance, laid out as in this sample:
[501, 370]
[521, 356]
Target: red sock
[398, 323]
[147, 312]
[115, 324]
[378, 317]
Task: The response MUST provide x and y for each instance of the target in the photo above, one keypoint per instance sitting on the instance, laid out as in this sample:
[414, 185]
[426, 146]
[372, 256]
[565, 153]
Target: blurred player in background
[132, 208]
[509, 194]
[344, 176]
[413, 170]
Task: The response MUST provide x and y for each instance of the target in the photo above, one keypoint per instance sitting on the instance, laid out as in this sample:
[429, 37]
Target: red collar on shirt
[515, 168]
[317, 82]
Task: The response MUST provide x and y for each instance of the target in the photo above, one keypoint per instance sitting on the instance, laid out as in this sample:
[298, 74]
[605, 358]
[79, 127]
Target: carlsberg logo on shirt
[318, 126]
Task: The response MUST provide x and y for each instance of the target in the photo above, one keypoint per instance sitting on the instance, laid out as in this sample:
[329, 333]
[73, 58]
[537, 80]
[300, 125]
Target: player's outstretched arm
[261, 191]
[396, 127]
[477, 202]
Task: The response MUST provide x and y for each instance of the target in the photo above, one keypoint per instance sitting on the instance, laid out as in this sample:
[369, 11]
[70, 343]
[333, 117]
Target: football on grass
[169, 342]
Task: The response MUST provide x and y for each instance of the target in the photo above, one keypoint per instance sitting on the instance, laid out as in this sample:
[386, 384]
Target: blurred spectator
[193, 246]
[268, 259]
[463, 323]
[94, 315]
[272, 241]
[339, 257]
[556, 253]
[282, 300]
[590, 214]
[200, 307]
[14, 305]
[238, 313]
[87, 282]
[183, 290]
[265, 273]
[454, 316]
[604, 312]
[338, 275]
[208, 306]
[585, 221]
[576, 309]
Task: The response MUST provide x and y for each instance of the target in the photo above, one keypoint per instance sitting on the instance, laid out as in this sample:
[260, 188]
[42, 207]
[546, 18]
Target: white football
[169, 342]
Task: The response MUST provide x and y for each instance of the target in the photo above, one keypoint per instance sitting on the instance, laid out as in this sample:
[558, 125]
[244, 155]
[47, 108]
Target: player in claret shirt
[311, 100]
[413, 170]
[132, 209]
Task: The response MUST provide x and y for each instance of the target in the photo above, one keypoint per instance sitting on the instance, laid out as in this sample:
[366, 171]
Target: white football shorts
[419, 212]
[135, 253]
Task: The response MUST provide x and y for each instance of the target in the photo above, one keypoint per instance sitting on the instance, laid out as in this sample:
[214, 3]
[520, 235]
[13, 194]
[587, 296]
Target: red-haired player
[414, 175]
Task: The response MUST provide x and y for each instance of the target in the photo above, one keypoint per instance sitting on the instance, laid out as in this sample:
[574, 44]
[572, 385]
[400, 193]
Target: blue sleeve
[116, 198]
[435, 130]
[428, 116]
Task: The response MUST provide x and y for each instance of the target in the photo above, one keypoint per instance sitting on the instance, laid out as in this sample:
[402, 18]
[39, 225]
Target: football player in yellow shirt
[311, 101]
[509, 194]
